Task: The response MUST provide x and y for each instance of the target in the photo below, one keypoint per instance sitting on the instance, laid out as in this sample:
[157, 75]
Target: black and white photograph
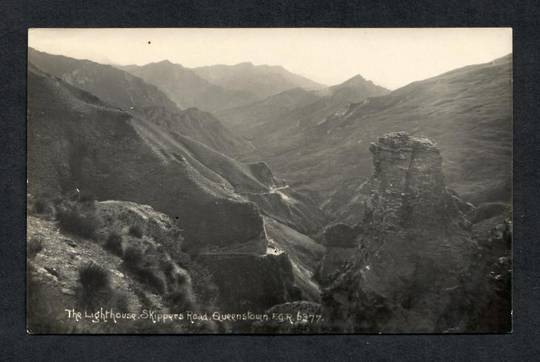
[269, 180]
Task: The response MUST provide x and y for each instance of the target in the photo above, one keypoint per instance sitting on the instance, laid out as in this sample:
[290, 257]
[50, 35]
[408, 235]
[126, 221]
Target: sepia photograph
[269, 180]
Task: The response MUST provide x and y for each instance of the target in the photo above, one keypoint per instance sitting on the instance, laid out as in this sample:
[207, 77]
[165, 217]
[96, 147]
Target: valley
[249, 189]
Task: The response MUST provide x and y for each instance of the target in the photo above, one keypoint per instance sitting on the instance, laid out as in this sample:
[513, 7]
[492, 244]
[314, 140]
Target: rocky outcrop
[411, 269]
[141, 272]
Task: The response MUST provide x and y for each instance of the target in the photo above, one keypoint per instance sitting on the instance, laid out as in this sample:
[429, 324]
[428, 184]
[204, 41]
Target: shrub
[114, 243]
[121, 302]
[146, 272]
[180, 300]
[135, 231]
[202, 282]
[34, 246]
[73, 221]
[40, 206]
[133, 257]
[153, 278]
[94, 277]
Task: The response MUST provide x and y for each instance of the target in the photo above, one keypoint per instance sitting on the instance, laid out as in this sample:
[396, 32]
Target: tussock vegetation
[114, 243]
[145, 267]
[95, 284]
[133, 257]
[94, 277]
[78, 218]
[96, 289]
[152, 264]
[34, 247]
[135, 231]
[165, 277]
[42, 206]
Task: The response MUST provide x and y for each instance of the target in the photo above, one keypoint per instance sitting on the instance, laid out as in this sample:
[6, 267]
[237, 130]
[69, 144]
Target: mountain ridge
[186, 88]
[261, 80]
[283, 109]
[132, 94]
[464, 110]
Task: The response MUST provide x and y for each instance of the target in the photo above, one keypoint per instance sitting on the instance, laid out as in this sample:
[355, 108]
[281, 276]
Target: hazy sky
[389, 57]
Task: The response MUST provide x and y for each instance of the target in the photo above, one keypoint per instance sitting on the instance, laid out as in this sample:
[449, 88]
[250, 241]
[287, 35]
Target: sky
[390, 57]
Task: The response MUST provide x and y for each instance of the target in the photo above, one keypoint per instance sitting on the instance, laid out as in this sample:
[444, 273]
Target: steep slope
[131, 94]
[75, 140]
[119, 88]
[467, 111]
[187, 89]
[78, 144]
[260, 80]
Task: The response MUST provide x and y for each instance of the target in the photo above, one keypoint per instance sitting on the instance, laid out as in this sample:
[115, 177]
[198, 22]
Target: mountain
[187, 89]
[267, 110]
[294, 106]
[133, 95]
[355, 89]
[259, 80]
[117, 154]
[79, 144]
[468, 112]
[119, 88]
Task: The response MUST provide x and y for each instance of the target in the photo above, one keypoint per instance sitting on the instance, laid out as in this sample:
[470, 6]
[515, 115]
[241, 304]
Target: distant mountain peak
[245, 64]
[261, 81]
[355, 81]
[165, 63]
[357, 78]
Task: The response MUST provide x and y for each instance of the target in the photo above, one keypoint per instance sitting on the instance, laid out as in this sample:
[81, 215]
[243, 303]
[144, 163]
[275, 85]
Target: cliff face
[414, 253]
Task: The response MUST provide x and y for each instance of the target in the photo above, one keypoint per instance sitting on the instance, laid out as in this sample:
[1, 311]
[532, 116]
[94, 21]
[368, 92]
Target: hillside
[297, 107]
[468, 112]
[187, 89]
[341, 209]
[259, 80]
[78, 144]
[131, 94]
[267, 110]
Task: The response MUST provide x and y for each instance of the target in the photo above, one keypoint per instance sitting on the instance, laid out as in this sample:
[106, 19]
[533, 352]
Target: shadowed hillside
[131, 94]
